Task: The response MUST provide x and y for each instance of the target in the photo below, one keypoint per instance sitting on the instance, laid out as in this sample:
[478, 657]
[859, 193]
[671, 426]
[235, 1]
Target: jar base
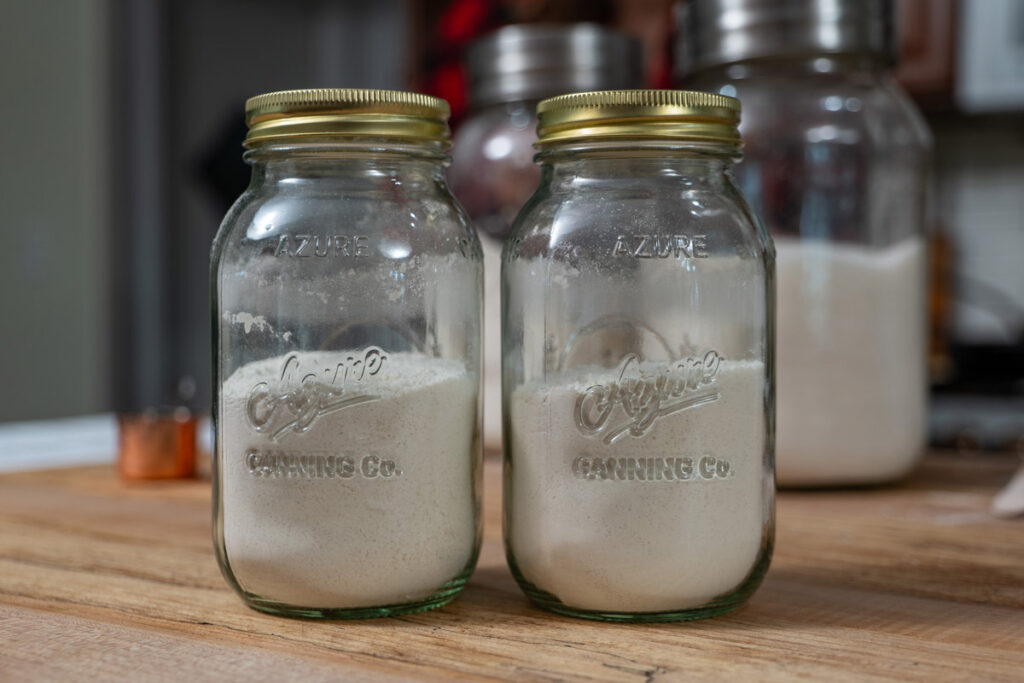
[442, 597]
[280, 610]
[722, 605]
[715, 609]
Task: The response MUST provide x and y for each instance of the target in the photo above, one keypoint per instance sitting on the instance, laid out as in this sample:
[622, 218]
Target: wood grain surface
[101, 580]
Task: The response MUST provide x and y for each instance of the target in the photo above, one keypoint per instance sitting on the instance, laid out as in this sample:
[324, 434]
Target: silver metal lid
[534, 61]
[714, 32]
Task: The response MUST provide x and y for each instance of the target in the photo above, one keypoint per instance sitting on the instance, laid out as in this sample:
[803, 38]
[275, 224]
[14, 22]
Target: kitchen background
[122, 123]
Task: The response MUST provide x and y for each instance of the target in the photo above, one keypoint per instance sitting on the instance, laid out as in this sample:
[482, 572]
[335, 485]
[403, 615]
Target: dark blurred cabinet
[182, 72]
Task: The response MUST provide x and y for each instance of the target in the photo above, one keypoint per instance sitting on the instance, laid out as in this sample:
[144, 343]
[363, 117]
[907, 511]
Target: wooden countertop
[104, 580]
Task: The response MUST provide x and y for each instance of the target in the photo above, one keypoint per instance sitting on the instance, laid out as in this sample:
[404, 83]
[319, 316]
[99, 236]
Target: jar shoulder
[394, 224]
[848, 109]
[640, 218]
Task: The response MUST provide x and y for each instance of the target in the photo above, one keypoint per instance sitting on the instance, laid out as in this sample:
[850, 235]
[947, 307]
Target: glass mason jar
[637, 293]
[510, 71]
[835, 162]
[346, 331]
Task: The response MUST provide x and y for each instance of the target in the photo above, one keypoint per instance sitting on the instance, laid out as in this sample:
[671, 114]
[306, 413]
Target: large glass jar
[835, 162]
[346, 314]
[492, 171]
[637, 364]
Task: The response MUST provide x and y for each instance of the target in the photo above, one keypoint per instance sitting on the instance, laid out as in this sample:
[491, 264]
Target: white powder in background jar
[373, 504]
[600, 539]
[851, 367]
[492, 342]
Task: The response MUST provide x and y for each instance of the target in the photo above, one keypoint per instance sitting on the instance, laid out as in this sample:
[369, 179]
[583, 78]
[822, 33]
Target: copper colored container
[157, 444]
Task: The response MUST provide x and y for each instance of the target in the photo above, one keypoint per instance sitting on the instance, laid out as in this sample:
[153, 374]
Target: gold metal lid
[639, 115]
[346, 112]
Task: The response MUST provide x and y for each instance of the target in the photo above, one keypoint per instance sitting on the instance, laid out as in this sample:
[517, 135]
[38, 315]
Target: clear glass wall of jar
[492, 172]
[346, 288]
[638, 364]
[835, 162]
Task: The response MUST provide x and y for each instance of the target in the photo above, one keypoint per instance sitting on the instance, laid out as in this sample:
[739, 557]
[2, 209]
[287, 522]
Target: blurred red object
[453, 26]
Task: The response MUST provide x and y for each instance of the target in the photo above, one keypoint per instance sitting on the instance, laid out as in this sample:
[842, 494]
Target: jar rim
[345, 147]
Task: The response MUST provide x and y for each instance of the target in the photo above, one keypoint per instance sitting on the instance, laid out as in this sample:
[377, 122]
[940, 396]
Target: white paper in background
[1010, 501]
[990, 68]
[43, 444]
[204, 434]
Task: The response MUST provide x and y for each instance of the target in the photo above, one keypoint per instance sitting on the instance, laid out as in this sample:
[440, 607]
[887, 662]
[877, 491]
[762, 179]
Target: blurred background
[122, 123]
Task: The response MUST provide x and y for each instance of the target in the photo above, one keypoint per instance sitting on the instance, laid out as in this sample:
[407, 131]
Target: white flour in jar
[373, 504]
[599, 537]
[850, 361]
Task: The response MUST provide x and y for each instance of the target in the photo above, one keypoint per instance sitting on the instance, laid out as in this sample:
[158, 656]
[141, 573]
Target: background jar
[835, 162]
[492, 172]
[346, 302]
[637, 364]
